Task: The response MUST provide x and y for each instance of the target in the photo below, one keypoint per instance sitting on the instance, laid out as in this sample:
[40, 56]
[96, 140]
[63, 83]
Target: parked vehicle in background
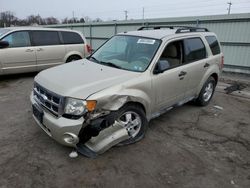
[29, 49]
[109, 97]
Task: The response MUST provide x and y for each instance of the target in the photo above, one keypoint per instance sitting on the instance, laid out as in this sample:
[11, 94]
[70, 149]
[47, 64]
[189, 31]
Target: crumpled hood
[81, 78]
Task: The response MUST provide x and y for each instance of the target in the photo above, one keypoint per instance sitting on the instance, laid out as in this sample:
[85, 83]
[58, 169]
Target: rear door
[49, 49]
[196, 63]
[216, 54]
[73, 42]
[20, 55]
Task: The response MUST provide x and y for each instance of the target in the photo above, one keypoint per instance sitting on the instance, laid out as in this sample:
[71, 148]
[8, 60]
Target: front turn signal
[91, 104]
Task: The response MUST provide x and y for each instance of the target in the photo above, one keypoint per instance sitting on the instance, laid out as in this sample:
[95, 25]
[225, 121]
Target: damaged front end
[100, 134]
[106, 126]
[89, 126]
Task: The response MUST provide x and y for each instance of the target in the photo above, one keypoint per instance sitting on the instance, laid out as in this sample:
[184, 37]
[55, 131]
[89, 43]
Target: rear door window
[194, 50]
[214, 44]
[45, 38]
[71, 38]
[18, 39]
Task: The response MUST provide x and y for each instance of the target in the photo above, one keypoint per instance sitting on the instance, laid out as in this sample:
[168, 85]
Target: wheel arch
[215, 76]
[140, 105]
[71, 54]
[212, 72]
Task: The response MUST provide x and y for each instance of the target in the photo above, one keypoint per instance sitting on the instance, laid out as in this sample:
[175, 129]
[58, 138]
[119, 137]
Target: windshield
[3, 31]
[127, 52]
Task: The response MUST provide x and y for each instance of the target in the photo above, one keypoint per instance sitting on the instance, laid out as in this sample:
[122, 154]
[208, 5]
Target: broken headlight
[76, 107]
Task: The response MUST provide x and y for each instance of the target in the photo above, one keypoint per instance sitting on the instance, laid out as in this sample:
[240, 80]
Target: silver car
[31, 49]
[109, 98]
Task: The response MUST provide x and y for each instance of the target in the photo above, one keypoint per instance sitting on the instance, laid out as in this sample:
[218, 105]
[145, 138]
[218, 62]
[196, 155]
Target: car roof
[157, 34]
[162, 33]
[37, 28]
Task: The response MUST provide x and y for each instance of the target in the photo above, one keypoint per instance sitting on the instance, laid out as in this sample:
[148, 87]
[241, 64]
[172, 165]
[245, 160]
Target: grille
[47, 99]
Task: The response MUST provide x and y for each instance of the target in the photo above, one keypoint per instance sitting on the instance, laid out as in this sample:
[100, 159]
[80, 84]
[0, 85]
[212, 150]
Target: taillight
[222, 62]
[89, 49]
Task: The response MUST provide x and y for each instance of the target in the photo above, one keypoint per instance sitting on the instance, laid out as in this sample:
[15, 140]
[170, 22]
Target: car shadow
[11, 77]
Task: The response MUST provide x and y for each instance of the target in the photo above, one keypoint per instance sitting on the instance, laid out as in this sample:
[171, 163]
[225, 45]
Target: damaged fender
[113, 101]
[106, 139]
[101, 131]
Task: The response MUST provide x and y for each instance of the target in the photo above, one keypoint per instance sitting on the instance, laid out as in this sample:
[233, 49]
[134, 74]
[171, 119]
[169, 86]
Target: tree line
[8, 19]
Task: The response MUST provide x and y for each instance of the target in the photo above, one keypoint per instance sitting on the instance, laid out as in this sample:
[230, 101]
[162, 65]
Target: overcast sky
[114, 9]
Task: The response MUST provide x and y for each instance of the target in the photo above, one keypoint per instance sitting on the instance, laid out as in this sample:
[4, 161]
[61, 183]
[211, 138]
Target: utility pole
[229, 7]
[143, 13]
[126, 14]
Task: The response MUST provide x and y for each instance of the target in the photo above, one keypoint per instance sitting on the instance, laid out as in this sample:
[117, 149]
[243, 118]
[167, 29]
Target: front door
[170, 86]
[20, 56]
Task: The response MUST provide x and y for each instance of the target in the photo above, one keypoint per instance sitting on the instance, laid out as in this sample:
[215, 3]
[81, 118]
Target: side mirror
[161, 66]
[4, 44]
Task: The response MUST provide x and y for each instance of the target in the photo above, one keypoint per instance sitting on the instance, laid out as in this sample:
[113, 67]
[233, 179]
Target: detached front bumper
[63, 130]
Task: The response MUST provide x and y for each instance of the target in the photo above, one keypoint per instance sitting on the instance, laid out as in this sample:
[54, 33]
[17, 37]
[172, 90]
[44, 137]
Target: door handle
[206, 65]
[182, 73]
[29, 50]
[40, 49]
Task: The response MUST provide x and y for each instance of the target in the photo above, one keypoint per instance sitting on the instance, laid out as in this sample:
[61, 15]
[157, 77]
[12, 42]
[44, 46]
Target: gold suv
[109, 97]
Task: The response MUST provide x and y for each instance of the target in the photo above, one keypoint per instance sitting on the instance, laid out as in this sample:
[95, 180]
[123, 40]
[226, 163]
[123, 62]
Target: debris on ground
[73, 154]
[232, 182]
[218, 107]
[234, 87]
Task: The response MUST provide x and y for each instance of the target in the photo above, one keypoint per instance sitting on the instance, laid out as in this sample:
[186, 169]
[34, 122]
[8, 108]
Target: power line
[161, 8]
[171, 9]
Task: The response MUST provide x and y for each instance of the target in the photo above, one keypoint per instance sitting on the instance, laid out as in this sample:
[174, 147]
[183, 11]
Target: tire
[73, 58]
[206, 92]
[136, 114]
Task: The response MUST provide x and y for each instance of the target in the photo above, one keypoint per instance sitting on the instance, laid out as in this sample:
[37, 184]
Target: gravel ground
[187, 147]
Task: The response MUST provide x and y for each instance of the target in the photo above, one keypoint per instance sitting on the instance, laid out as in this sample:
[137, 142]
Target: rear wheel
[207, 92]
[73, 58]
[133, 118]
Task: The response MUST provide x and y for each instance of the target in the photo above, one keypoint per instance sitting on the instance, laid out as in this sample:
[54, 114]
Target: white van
[30, 49]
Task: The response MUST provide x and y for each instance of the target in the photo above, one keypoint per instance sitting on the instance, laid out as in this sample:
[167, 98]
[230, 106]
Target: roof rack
[180, 29]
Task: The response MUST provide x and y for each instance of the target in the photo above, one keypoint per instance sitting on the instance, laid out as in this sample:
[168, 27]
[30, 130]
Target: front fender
[113, 102]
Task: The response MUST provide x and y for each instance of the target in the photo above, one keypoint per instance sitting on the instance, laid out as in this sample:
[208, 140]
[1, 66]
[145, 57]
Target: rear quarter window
[194, 50]
[45, 38]
[214, 44]
[71, 38]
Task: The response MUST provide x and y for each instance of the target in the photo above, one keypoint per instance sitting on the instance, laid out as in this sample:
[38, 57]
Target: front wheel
[133, 118]
[206, 92]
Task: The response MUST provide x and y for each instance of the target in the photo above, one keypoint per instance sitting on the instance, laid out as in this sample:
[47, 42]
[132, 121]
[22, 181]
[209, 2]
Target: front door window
[18, 39]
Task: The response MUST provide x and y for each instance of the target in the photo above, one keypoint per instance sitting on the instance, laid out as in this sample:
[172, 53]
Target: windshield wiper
[91, 57]
[104, 63]
[111, 64]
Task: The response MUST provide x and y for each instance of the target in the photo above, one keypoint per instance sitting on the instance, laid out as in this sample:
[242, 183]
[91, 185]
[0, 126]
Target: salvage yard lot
[189, 146]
